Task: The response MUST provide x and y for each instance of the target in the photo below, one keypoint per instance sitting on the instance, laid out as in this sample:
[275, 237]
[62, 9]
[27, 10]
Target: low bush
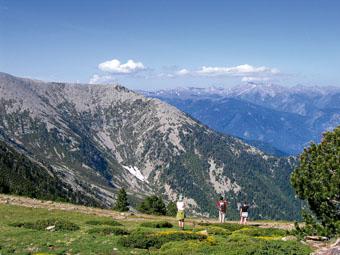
[156, 240]
[103, 222]
[280, 248]
[108, 231]
[157, 224]
[261, 232]
[234, 246]
[59, 225]
[213, 230]
[187, 247]
[228, 226]
[153, 205]
[313, 227]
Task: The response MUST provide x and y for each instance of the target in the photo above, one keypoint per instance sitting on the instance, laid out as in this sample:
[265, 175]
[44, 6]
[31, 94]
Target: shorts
[244, 214]
[180, 215]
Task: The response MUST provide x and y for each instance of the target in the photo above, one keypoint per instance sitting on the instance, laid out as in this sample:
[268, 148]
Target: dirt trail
[51, 205]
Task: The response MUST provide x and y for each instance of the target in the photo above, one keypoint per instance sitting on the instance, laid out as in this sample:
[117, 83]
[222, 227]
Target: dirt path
[51, 205]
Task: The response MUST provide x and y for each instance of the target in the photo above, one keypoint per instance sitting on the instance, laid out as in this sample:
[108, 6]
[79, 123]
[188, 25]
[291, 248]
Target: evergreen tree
[171, 209]
[317, 179]
[153, 205]
[122, 203]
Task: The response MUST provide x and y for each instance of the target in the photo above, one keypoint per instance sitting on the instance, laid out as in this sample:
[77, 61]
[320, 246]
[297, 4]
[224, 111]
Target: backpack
[221, 205]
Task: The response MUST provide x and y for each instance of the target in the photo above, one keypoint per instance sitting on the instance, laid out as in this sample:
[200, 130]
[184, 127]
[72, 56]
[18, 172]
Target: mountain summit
[98, 138]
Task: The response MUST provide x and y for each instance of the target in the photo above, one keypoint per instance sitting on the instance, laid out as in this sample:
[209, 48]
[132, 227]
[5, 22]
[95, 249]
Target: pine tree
[317, 179]
[122, 203]
[171, 209]
[153, 205]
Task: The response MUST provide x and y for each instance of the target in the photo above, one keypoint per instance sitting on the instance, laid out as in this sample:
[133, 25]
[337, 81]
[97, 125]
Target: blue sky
[172, 43]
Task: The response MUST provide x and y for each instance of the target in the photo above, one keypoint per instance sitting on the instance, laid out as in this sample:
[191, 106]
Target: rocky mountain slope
[98, 138]
[21, 175]
[267, 115]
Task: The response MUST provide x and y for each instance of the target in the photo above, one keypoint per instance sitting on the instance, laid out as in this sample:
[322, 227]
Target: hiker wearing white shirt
[180, 212]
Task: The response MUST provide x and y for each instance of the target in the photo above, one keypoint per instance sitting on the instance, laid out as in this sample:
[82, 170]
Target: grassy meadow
[25, 230]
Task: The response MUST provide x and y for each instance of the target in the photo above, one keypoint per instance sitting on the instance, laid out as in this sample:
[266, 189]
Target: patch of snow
[85, 166]
[136, 172]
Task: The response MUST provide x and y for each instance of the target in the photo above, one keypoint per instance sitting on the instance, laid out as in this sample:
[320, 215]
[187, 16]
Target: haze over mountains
[277, 119]
[98, 138]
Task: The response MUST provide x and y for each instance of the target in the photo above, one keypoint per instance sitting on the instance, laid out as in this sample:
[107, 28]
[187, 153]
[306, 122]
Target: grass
[53, 224]
[23, 231]
[103, 222]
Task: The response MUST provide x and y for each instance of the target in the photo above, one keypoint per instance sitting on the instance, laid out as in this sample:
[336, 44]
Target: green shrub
[280, 248]
[312, 228]
[261, 232]
[153, 205]
[59, 225]
[234, 246]
[156, 240]
[171, 209]
[182, 247]
[189, 247]
[108, 231]
[213, 230]
[228, 226]
[103, 222]
[157, 224]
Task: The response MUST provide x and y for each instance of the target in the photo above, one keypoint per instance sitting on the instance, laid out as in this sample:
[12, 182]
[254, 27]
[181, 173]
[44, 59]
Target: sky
[166, 44]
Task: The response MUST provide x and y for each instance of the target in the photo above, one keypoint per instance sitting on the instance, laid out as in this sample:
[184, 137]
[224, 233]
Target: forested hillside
[20, 175]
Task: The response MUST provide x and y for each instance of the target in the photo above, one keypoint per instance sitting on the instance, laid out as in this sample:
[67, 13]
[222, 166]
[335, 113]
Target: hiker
[244, 213]
[180, 212]
[222, 208]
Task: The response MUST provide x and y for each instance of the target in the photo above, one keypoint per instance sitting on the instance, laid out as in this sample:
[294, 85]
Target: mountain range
[95, 139]
[280, 120]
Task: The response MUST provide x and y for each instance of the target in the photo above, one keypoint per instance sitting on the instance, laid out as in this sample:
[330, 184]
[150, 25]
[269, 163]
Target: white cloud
[236, 70]
[250, 79]
[183, 72]
[114, 66]
[102, 79]
[165, 75]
